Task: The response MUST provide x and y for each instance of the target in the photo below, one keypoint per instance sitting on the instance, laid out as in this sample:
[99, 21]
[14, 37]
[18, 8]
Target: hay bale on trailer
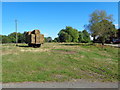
[35, 32]
[34, 38]
[42, 38]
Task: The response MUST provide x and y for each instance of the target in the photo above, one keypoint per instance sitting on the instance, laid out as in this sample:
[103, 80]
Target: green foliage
[56, 39]
[73, 33]
[68, 35]
[96, 17]
[48, 39]
[106, 30]
[11, 38]
[64, 37]
[99, 15]
[80, 39]
[21, 37]
[5, 39]
[84, 36]
[100, 25]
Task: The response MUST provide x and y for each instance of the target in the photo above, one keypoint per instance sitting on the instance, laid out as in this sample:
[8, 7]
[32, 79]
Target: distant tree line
[11, 38]
[100, 27]
[68, 34]
[21, 38]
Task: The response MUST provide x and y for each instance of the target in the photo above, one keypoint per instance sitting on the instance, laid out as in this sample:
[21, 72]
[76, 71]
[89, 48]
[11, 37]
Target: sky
[60, 0]
[51, 17]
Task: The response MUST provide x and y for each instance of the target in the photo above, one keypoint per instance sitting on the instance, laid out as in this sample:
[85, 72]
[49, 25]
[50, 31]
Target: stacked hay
[34, 37]
[29, 32]
[28, 36]
[37, 38]
[35, 32]
[42, 38]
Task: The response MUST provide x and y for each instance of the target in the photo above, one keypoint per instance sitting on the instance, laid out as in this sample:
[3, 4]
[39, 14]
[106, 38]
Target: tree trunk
[93, 39]
[102, 43]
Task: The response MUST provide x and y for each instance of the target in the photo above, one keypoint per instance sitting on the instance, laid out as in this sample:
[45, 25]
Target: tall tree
[105, 30]
[95, 18]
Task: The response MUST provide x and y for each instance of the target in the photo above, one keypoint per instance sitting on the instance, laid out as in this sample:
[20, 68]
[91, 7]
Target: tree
[12, 37]
[5, 39]
[48, 39]
[118, 33]
[96, 17]
[20, 37]
[80, 39]
[64, 37]
[45, 39]
[56, 39]
[106, 30]
[84, 36]
[68, 35]
[73, 33]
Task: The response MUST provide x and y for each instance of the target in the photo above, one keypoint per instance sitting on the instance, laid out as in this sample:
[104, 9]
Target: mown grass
[59, 62]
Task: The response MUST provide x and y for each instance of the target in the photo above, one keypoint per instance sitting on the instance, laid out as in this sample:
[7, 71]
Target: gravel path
[72, 84]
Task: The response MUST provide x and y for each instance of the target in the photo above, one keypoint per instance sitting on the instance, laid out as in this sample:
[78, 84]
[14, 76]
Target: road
[70, 84]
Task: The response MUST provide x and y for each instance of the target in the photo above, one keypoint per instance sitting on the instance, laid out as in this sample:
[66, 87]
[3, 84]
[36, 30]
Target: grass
[59, 62]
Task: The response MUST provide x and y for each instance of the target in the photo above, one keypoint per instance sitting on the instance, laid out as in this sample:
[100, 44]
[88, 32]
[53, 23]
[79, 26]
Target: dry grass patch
[35, 50]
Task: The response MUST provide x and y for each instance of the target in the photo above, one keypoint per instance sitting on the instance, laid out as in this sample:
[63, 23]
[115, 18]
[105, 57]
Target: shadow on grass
[27, 46]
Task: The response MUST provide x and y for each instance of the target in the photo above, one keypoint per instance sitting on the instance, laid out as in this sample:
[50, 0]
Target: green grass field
[59, 62]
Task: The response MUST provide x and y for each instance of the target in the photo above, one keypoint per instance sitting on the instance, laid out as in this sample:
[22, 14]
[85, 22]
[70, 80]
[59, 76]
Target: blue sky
[60, 0]
[51, 17]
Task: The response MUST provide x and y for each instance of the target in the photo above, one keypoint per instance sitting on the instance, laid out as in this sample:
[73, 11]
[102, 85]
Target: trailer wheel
[30, 45]
[38, 45]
